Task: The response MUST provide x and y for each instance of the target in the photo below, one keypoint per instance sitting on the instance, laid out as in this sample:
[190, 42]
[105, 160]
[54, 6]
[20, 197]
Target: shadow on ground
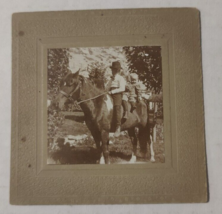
[84, 155]
[85, 152]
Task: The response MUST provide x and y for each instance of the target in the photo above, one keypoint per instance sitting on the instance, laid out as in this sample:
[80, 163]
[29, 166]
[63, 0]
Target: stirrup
[117, 132]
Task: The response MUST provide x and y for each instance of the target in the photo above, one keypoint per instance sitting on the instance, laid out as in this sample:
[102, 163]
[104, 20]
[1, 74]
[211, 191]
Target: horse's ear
[75, 75]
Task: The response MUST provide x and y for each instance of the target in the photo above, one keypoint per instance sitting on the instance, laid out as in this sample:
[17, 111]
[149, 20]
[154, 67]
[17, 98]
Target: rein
[69, 96]
[91, 98]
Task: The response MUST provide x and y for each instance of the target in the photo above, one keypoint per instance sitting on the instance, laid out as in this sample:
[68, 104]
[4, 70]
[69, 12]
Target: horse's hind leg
[143, 137]
[152, 159]
[133, 138]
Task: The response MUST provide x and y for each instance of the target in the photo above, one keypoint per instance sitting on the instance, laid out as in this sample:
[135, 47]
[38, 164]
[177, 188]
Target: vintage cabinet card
[107, 107]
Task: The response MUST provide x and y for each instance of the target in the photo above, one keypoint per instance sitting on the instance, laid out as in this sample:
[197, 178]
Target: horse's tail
[144, 134]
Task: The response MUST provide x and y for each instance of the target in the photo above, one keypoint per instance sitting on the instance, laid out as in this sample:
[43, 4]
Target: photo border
[183, 180]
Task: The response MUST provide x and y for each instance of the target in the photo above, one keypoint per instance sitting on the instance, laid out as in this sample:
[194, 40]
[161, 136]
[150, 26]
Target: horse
[97, 106]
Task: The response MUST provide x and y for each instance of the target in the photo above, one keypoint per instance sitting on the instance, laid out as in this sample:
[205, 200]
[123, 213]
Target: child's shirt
[136, 90]
[118, 84]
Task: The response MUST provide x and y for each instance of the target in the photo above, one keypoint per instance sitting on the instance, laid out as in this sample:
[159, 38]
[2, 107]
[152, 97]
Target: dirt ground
[83, 151]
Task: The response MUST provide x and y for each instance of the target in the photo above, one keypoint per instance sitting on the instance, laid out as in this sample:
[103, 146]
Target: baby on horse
[133, 94]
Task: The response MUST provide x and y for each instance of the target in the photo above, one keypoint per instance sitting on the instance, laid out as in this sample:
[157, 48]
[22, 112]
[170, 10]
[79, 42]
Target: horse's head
[69, 89]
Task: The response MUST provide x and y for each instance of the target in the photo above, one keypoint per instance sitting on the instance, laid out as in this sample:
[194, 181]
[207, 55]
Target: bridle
[69, 96]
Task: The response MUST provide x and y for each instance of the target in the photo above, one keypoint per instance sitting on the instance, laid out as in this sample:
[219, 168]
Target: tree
[146, 62]
[58, 62]
[97, 74]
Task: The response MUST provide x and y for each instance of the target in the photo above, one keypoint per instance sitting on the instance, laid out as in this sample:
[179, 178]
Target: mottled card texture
[62, 64]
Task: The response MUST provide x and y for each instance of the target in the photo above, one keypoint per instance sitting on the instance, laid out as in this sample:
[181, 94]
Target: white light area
[83, 57]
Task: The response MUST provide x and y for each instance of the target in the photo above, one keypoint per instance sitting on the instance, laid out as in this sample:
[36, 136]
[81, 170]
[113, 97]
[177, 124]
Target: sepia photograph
[105, 105]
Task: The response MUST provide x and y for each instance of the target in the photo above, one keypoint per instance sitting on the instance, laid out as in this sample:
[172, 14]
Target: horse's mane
[89, 86]
[92, 85]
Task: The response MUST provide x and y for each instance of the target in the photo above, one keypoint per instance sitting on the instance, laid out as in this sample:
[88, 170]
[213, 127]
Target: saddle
[131, 109]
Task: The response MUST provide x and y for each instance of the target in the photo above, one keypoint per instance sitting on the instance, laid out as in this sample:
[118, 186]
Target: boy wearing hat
[117, 87]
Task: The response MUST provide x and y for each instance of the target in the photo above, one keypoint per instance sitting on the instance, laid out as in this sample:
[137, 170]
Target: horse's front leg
[105, 143]
[97, 138]
[152, 159]
[133, 138]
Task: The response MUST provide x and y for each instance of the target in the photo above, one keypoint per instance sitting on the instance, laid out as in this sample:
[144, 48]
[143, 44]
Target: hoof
[117, 132]
[102, 160]
[152, 159]
[133, 159]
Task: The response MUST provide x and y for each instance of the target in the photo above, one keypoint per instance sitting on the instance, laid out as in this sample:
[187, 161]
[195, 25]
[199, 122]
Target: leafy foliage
[97, 74]
[58, 63]
[55, 120]
[146, 62]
